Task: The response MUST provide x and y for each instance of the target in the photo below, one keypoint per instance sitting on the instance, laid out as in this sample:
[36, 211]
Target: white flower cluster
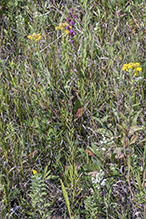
[97, 27]
[99, 180]
[138, 78]
[106, 140]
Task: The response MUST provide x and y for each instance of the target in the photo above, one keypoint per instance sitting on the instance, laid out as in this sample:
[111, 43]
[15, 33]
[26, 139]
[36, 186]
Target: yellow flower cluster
[62, 26]
[35, 37]
[132, 65]
[34, 172]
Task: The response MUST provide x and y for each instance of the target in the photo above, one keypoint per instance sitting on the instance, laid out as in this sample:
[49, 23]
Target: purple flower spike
[72, 41]
[72, 23]
[71, 9]
[72, 33]
[68, 19]
[75, 16]
[68, 27]
[70, 14]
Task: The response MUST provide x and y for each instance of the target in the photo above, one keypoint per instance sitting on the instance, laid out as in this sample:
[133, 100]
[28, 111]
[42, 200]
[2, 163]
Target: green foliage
[70, 111]
[38, 193]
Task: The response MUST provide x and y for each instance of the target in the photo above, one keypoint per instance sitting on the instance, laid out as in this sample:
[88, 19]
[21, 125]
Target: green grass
[70, 112]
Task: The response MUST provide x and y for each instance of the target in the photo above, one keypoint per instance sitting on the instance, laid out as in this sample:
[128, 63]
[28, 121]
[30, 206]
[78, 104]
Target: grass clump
[72, 125]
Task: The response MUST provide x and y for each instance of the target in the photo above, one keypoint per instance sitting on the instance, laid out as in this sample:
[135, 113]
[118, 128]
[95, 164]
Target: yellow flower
[35, 37]
[131, 65]
[34, 172]
[137, 69]
[62, 26]
[137, 64]
[67, 31]
[56, 28]
[134, 66]
[29, 37]
[125, 67]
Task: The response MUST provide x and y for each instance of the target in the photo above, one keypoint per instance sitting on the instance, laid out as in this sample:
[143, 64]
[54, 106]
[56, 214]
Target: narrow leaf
[134, 129]
[66, 198]
[133, 139]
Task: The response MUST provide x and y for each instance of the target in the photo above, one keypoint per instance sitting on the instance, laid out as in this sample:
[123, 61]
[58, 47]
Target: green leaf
[36, 122]
[91, 167]
[133, 139]
[122, 129]
[113, 157]
[134, 129]
[66, 198]
[143, 140]
[101, 131]
[135, 117]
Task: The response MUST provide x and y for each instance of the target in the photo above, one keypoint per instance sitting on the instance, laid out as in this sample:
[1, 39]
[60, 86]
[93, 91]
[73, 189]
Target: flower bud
[72, 23]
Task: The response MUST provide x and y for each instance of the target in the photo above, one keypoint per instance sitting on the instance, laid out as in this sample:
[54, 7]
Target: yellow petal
[139, 69]
[29, 37]
[137, 64]
[67, 31]
[34, 171]
[136, 73]
[124, 68]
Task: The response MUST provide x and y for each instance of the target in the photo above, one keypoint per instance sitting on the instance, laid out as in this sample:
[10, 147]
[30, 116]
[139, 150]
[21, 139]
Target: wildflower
[138, 69]
[132, 65]
[72, 23]
[137, 64]
[125, 67]
[75, 16]
[67, 32]
[63, 26]
[99, 180]
[35, 37]
[68, 27]
[70, 14]
[68, 19]
[72, 33]
[34, 172]
[138, 78]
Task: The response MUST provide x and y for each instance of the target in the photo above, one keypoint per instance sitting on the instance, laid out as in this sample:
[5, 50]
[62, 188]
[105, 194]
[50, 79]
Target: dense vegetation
[72, 109]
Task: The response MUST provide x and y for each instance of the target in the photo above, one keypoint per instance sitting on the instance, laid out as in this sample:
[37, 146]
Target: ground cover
[72, 109]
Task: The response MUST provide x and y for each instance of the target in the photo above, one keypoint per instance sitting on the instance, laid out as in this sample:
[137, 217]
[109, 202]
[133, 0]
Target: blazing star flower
[70, 14]
[75, 16]
[68, 19]
[72, 33]
[72, 23]
[68, 27]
